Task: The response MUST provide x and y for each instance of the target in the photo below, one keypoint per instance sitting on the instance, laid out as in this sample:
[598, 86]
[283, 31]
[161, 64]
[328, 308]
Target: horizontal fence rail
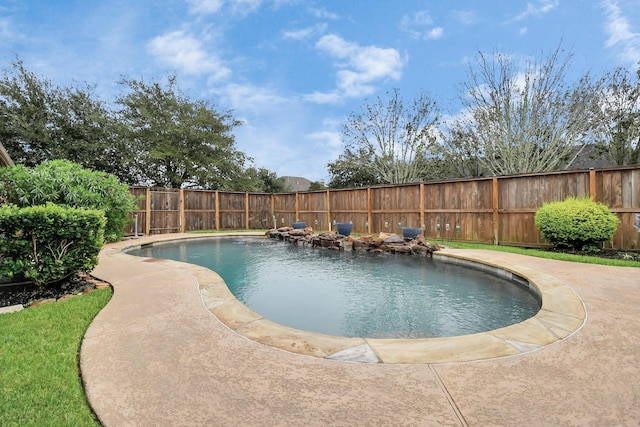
[497, 210]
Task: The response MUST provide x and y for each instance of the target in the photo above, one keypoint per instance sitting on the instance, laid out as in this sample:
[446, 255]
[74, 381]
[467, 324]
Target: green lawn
[39, 363]
[547, 254]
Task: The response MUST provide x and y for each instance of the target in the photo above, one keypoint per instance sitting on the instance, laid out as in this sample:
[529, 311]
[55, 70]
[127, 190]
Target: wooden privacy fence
[497, 210]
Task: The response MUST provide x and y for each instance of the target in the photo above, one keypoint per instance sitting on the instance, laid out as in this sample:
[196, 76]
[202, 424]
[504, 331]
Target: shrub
[47, 243]
[68, 184]
[581, 224]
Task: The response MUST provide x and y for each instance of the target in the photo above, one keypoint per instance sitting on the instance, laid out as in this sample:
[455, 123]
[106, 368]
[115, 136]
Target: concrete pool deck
[156, 355]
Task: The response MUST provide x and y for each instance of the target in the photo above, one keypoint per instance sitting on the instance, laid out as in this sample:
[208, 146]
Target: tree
[317, 185]
[27, 117]
[179, 142]
[264, 181]
[618, 133]
[353, 169]
[388, 142]
[42, 121]
[458, 152]
[528, 120]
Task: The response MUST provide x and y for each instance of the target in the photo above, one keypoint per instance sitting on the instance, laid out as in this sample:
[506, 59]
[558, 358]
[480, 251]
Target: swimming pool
[356, 294]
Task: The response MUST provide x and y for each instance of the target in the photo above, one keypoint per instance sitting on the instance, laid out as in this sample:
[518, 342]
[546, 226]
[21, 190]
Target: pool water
[356, 294]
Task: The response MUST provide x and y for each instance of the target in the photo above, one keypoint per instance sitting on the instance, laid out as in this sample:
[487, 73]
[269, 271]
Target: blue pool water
[356, 294]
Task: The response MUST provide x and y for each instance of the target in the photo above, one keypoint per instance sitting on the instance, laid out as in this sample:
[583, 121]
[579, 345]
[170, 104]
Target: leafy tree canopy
[42, 121]
[178, 141]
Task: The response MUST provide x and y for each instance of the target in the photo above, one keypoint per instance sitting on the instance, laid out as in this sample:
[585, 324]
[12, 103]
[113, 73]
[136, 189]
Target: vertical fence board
[260, 216]
[199, 210]
[285, 209]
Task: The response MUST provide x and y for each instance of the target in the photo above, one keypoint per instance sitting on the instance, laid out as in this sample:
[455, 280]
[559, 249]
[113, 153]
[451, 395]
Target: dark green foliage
[43, 121]
[179, 142]
[66, 183]
[47, 243]
[579, 224]
[317, 185]
[262, 181]
[353, 169]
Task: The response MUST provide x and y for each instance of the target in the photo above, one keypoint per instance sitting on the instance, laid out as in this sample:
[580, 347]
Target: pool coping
[561, 315]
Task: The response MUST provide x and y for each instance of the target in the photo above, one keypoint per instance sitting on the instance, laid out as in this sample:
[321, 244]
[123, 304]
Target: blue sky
[293, 70]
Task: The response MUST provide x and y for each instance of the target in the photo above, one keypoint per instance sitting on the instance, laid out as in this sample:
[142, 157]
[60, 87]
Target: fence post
[273, 210]
[217, 211]
[147, 225]
[422, 202]
[592, 184]
[496, 214]
[246, 211]
[369, 210]
[329, 209]
[181, 208]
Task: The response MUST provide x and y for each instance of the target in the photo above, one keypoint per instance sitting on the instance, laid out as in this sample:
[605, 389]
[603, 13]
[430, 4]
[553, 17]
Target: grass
[39, 367]
[548, 254]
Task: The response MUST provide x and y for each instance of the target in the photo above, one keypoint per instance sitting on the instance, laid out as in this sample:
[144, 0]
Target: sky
[294, 70]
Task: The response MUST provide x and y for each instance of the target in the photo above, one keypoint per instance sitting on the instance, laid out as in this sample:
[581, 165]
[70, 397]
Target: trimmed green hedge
[68, 184]
[579, 224]
[48, 243]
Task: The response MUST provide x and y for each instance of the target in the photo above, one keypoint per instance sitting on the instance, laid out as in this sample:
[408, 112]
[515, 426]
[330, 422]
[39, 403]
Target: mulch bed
[29, 294]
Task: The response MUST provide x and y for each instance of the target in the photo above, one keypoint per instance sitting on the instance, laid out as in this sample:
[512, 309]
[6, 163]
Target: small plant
[574, 223]
[48, 243]
[629, 256]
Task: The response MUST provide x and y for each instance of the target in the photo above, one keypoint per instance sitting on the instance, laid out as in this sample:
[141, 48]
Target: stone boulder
[394, 239]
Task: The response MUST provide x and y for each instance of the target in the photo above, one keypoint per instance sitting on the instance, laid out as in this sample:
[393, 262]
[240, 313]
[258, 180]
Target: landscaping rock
[385, 242]
[394, 239]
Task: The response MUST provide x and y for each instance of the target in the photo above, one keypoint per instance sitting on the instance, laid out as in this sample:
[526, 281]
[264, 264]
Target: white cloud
[434, 33]
[323, 14]
[205, 6]
[210, 7]
[6, 30]
[421, 18]
[360, 66]
[329, 141]
[329, 138]
[523, 31]
[621, 35]
[420, 26]
[252, 100]
[537, 9]
[305, 33]
[187, 53]
[332, 97]
[465, 17]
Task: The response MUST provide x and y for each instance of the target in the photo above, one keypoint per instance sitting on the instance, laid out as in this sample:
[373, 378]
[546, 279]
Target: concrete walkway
[156, 356]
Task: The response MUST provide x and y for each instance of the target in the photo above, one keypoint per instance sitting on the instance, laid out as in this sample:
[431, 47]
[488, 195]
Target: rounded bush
[68, 184]
[48, 243]
[576, 223]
